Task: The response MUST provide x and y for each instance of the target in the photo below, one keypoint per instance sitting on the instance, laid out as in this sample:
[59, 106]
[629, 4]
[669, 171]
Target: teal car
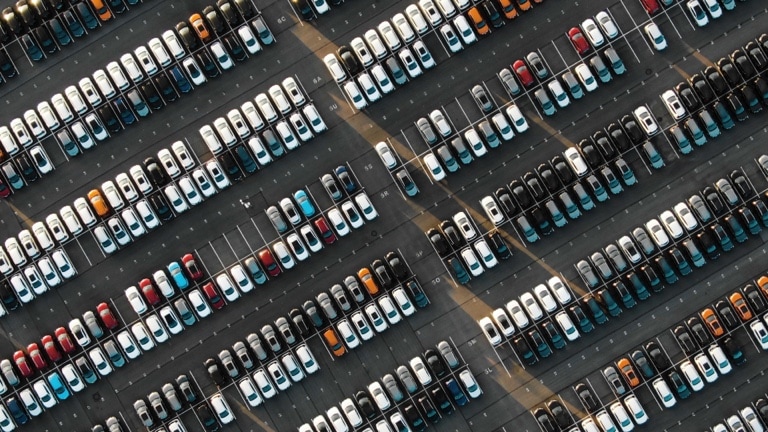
[302, 199]
[178, 275]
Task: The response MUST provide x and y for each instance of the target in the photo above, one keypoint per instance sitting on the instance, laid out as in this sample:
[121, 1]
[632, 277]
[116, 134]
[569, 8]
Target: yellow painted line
[682, 73]
[702, 58]
[248, 413]
[24, 218]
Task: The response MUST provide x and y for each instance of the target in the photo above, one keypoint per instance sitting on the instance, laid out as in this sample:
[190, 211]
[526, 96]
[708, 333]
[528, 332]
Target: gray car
[7, 368]
[448, 355]
[277, 219]
[255, 344]
[602, 265]
[536, 63]
[726, 190]
[390, 384]
[182, 307]
[508, 79]
[613, 379]
[642, 238]
[157, 405]
[481, 97]
[426, 131]
[350, 282]
[284, 327]
[330, 185]
[242, 354]
[341, 297]
[407, 379]
[700, 208]
[268, 333]
[229, 363]
[326, 305]
[89, 319]
[169, 392]
[586, 272]
[143, 412]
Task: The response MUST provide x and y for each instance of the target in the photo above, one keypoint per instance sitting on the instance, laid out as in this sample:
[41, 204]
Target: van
[332, 339]
[458, 270]
[600, 69]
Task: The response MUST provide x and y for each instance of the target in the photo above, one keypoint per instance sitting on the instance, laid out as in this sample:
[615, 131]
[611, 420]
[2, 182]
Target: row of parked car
[212, 413]
[458, 243]
[709, 99]
[35, 279]
[747, 415]
[409, 399]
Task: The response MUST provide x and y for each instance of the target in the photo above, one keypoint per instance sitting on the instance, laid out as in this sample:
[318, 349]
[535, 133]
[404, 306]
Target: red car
[106, 315]
[522, 72]
[49, 346]
[325, 232]
[4, 189]
[268, 262]
[146, 288]
[192, 268]
[65, 342]
[651, 6]
[22, 364]
[578, 40]
[37, 357]
[213, 295]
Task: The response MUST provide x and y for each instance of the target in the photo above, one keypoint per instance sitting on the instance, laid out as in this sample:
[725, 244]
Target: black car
[348, 59]
[657, 355]
[685, 340]
[154, 101]
[439, 242]
[398, 267]
[708, 244]
[187, 36]
[165, 87]
[230, 166]
[365, 404]
[156, 173]
[701, 88]
[741, 184]
[541, 221]
[506, 202]
[548, 176]
[587, 397]
[6, 66]
[757, 55]
[441, 400]
[492, 13]
[521, 194]
[761, 86]
[713, 199]
[245, 7]
[689, 100]
[26, 167]
[246, 160]
[743, 64]
[46, 40]
[736, 106]
[17, 412]
[57, 29]
[524, 351]
[435, 363]
[749, 96]
[228, 12]
[699, 332]
[124, 111]
[206, 62]
[545, 420]
[215, 371]
[729, 72]
[161, 207]
[413, 417]
[214, 20]
[305, 10]
[10, 302]
[562, 169]
[726, 314]
[650, 275]
[632, 129]
[535, 186]
[13, 21]
[499, 245]
[73, 24]
[642, 363]
[754, 298]
[619, 138]
[382, 274]
[590, 153]
[603, 144]
[451, 233]
[716, 80]
[734, 352]
[299, 321]
[235, 48]
[428, 409]
[560, 413]
[207, 419]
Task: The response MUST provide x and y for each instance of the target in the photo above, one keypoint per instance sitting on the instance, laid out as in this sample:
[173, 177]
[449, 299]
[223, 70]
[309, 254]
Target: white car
[607, 25]
[671, 224]
[265, 107]
[389, 310]
[21, 288]
[517, 314]
[657, 39]
[657, 233]
[193, 70]
[517, 119]
[112, 195]
[35, 281]
[416, 19]
[100, 361]
[15, 252]
[227, 287]
[96, 127]
[241, 278]
[691, 375]
[375, 44]
[173, 44]
[182, 154]
[673, 104]
[43, 393]
[63, 264]
[224, 131]
[420, 370]
[117, 75]
[250, 42]
[334, 67]
[140, 179]
[489, 330]
[282, 255]
[300, 126]
[430, 10]
[339, 225]
[314, 119]
[321, 6]
[403, 302]
[48, 272]
[503, 126]
[48, 116]
[434, 167]
[368, 87]
[350, 412]
[126, 187]
[503, 322]
[221, 408]
[34, 123]
[75, 99]
[760, 333]
[411, 66]
[29, 402]
[248, 389]
[156, 328]
[28, 244]
[484, 252]
[389, 36]
[129, 63]
[62, 108]
[705, 367]
[531, 306]
[257, 147]
[545, 297]
[361, 51]
[42, 235]
[422, 52]
[719, 358]
[354, 95]
[190, 191]
[697, 13]
[145, 60]
[294, 91]
[576, 161]
[103, 83]
[492, 210]
[375, 318]
[561, 97]
[77, 330]
[386, 155]
[347, 334]
[635, 409]
[128, 344]
[7, 140]
[561, 292]
[278, 375]
[566, 324]
[239, 123]
[592, 32]
[163, 284]
[252, 116]
[199, 304]
[265, 386]
[90, 92]
[686, 216]
[623, 420]
[211, 140]
[586, 77]
[174, 197]
[217, 175]
[307, 359]
[647, 123]
[221, 55]
[350, 212]
[131, 221]
[148, 217]
[278, 97]
[158, 50]
[465, 227]
[749, 416]
[403, 28]
[714, 8]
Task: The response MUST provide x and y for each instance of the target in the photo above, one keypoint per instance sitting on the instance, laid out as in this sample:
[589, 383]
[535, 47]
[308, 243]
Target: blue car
[58, 386]
[302, 199]
[178, 276]
[343, 175]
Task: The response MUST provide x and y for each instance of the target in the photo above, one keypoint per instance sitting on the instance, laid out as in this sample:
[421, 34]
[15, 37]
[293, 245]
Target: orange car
[508, 8]
[524, 4]
[332, 339]
[101, 10]
[98, 203]
[629, 372]
[762, 282]
[710, 319]
[738, 302]
[480, 25]
[367, 278]
[199, 25]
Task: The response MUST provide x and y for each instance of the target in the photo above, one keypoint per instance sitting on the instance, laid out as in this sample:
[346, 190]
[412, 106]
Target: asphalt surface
[232, 225]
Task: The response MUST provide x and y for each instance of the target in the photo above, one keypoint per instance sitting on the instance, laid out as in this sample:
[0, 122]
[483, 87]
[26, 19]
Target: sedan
[579, 42]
